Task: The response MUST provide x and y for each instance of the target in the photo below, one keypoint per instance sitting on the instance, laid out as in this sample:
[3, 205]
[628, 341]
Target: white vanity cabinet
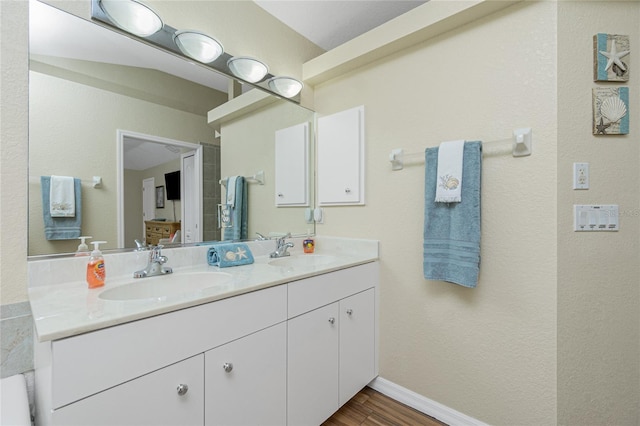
[290, 354]
[97, 368]
[245, 380]
[331, 351]
[173, 395]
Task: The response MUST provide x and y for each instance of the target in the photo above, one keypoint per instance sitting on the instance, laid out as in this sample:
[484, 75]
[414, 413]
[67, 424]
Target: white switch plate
[595, 218]
[580, 175]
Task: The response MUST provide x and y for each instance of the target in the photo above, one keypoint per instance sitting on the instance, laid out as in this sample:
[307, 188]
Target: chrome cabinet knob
[182, 389]
[349, 311]
[347, 190]
[280, 194]
[227, 367]
[332, 320]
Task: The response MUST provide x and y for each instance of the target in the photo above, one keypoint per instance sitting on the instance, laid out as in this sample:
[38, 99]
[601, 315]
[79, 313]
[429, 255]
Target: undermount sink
[304, 260]
[166, 286]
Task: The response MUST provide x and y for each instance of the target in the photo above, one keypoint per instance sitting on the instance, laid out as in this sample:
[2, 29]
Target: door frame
[197, 192]
[121, 135]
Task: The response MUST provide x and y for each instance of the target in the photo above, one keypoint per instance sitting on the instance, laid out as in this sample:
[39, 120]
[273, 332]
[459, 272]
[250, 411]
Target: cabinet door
[313, 366]
[341, 158]
[357, 343]
[246, 380]
[292, 166]
[153, 399]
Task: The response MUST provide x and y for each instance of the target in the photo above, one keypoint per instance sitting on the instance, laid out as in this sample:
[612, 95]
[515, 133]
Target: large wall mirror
[106, 105]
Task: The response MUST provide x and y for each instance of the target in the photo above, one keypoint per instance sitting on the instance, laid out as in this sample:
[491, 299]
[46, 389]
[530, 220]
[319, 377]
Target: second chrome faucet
[282, 247]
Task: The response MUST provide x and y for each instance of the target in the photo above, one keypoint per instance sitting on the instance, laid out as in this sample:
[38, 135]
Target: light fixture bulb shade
[198, 46]
[248, 69]
[132, 16]
[285, 86]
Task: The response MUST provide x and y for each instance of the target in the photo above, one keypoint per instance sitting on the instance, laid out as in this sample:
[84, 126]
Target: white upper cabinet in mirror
[78, 103]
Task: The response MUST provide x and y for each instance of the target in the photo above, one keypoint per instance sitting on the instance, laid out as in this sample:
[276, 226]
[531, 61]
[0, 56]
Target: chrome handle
[349, 311]
[332, 320]
[182, 389]
[227, 367]
[347, 190]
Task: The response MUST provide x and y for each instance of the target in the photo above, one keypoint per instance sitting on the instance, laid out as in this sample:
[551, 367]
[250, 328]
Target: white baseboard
[423, 404]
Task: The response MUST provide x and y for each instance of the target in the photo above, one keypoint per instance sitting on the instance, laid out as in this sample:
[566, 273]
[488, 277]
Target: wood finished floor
[371, 408]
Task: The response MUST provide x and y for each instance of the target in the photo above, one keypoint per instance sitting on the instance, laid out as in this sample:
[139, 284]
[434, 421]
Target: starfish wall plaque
[611, 57]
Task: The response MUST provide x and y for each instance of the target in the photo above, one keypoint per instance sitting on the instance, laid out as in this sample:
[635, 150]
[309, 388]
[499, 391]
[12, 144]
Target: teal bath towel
[61, 228]
[452, 230]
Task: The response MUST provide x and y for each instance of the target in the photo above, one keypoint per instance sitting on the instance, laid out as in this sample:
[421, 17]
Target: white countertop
[63, 307]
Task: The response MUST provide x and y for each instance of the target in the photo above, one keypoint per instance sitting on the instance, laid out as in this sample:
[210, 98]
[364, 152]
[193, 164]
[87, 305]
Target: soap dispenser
[308, 245]
[83, 249]
[95, 267]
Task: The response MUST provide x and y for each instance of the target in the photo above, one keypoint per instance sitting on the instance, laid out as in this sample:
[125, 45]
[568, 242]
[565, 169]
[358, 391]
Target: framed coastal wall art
[611, 110]
[611, 53]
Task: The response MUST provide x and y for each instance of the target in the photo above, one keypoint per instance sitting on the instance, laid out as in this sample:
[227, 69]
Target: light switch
[595, 217]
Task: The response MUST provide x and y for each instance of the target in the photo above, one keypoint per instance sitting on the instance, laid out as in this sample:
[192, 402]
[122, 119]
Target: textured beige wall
[598, 273]
[489, 352]
[14, 60]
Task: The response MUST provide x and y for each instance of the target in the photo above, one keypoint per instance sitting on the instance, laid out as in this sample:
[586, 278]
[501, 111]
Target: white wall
[489, 352]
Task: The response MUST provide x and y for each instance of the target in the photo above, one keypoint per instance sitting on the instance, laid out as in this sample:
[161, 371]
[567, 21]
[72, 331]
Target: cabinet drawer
[311, 293]
[91, 362]
[152, 399]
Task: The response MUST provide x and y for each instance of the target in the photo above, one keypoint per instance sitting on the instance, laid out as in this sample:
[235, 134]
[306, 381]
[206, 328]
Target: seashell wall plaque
[611, 110]
[611, 57]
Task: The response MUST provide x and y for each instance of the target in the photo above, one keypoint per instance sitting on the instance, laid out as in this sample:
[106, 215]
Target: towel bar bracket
[522, 142]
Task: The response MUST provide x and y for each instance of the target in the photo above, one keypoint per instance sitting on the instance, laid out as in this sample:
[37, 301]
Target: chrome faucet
[155, 265]
[282, 246]
[140, 246]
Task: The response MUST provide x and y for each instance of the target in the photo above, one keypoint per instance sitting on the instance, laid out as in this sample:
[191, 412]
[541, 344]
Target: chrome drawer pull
[182, 389]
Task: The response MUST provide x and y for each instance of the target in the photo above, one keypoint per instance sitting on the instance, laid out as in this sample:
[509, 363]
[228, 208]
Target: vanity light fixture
[248, 69]
[141, 21]
[285, 86]
[198, 46]
[132, 16]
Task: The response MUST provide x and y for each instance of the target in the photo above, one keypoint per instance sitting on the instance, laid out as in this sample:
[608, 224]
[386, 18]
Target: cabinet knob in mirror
[182, 389]
[332, 320]
[349, 311]
[227, 367]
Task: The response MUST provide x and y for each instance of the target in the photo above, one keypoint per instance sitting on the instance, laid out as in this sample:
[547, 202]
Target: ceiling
[330, 23]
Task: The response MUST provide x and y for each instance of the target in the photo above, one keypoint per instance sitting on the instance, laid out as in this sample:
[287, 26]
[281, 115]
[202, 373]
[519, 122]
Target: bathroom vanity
[280, 342]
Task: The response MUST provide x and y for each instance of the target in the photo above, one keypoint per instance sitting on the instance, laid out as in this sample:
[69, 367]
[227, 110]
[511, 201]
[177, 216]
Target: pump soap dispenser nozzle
[83, 249]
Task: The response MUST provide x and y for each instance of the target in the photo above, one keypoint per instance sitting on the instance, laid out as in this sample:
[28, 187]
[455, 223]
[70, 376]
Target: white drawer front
[92, 362]
[311, 293]
[152, 399]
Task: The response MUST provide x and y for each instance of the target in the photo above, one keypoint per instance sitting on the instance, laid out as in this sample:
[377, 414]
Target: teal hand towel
[452, 230]
[61, 228]
[229, 254]
[239, 209]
